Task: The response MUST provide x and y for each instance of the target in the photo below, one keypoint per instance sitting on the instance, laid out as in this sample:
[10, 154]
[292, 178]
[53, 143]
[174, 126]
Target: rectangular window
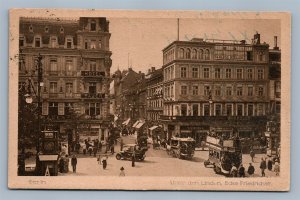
[183, 110]
[195, 109]
[229, 110]
[228, 90]
[250, 110]
[93, 44]
[218, 110]
[53, 65]
[217, 73]
[240, 109]
[228, 73]
[69, 65]
[195, 72]
[195, 90]
[22, 42]
[250, 73]
[206, 90]
[37, 42]
[260, 91]
[183, 72]
[92, 88]
[53, 108]
[250, 91]
[68, 108]
[260, 74]
[260, 109]
[93, 66]
[69, 87]
[239, 73]
[53, 42]
[53, 87]
[206, 110]
[218, 91]
[239, 91]
[205, 72]
[184, 90]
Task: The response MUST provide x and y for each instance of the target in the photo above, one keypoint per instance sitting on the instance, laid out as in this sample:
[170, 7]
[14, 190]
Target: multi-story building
[154, 94]
[217, 85]
[76, 69]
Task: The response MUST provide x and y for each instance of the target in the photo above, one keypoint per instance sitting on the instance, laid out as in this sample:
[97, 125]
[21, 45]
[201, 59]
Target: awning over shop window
[152, 128]
[126, 122]
[48, 157]
[140, 125]
[135, 124]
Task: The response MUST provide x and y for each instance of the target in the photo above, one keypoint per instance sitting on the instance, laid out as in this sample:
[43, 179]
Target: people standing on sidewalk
[242, 171]
[122, 172]
[104, 162]
[74, 163]
[276, 168]
[263, 166]
[252, 154]
[270, 164]
[133, 159]
[233, 171]
[112, 149]
[99, 159]
[251, 169]
[84, 149]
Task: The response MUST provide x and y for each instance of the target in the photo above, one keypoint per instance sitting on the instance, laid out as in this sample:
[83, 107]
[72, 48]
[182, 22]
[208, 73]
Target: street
[156, 163]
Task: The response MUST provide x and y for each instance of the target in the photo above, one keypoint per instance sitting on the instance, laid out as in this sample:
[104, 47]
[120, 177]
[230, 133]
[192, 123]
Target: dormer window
[37, 42]
[93, 25]
[30, 28]
[69, 43]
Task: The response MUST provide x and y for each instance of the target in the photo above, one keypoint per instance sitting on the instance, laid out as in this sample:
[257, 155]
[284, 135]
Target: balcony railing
[92, 74]
[93, 95]
[212, 118]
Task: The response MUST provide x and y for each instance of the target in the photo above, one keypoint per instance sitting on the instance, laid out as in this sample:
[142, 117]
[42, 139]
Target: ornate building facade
[215, 85]
[76, 69]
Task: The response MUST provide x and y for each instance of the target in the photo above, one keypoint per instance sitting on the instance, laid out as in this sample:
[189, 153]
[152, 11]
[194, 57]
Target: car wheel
[118, 157]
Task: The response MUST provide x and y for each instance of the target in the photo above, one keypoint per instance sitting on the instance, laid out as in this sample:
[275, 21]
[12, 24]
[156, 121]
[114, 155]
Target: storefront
[198, 133]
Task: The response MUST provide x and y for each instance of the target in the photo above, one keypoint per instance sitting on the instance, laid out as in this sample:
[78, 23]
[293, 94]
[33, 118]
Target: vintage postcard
[149, 100]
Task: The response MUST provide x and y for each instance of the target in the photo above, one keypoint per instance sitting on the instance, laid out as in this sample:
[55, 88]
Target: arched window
[206, 56]
[200, 54]
[194, 54]
[93, 25]
[181, 53]
[188, 53]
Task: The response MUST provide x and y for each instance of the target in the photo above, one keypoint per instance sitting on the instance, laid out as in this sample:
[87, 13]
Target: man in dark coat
[270, 164]
[252, 154]
[104, 162]
[251, 169]
[242, 171]
[74, 163]
[263, 166]
[133, 159]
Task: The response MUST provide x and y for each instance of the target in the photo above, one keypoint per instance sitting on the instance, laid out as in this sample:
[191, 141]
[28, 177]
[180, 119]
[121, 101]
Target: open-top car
[128, 150]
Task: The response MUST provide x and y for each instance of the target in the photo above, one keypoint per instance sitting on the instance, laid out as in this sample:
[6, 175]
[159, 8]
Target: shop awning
[152, 128]
[48, 157]
[126, 122]
[135, 124]
[140, 125]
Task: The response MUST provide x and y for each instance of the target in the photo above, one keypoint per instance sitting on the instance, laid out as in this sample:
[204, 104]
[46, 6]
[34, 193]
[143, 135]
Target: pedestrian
[263, 166]
[242, 171]
[122, 172]
[112, 149]
[84, 149]
[251, 169]
[121, 144]
[233, 171]
[90, 150]
[66, 163]
[270, 164]
[99, 159]
[74, 163]
[61, 165]
[252, 154]
[100, 146]
[104, 163]
[77, 147]
[133, 159]
[276, 168]
[95, 151]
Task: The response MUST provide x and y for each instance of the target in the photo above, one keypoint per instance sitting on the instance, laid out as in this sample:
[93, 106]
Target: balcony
[92, 74]
[213, 118]
[93, 96]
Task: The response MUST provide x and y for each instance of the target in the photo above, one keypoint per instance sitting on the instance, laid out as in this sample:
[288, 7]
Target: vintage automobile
[128, 149]
[223, 154]
[182, 147]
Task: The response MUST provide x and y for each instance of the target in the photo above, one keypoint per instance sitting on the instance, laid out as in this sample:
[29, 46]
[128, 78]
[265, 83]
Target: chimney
[275, 43]
[152, 69]
[257, 38]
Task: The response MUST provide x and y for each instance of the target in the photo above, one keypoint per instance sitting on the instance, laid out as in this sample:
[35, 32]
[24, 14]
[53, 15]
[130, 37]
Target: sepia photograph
[149, 100]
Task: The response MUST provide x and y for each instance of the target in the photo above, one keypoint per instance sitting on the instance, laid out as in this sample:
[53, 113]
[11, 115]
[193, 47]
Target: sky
[138, 42]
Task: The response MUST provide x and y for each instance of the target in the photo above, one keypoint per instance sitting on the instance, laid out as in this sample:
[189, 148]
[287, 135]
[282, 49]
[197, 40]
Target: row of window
[155, 103]
[217, 91]
[216, 110]
[55, 108]
[219, 73]
[153, 115]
